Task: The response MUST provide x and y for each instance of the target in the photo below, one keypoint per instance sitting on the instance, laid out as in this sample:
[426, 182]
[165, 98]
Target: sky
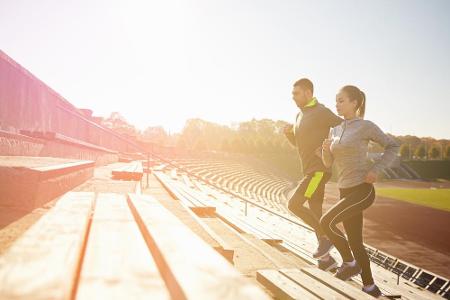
[163, 62]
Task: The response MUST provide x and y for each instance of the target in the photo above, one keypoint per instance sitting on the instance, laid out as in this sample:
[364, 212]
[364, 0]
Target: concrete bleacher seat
[233, 175]
[30, 182]
[201, 274]
[308, 283]
[129, 171]
[232, 180]
[52, 247]
[115, 246]
[196, 205]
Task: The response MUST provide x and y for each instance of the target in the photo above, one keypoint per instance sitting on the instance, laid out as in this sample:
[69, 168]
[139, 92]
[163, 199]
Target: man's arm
[289, 133]
[332, 119]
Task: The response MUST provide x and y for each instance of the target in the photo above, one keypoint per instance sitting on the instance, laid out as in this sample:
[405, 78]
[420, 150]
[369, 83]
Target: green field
[435, 198]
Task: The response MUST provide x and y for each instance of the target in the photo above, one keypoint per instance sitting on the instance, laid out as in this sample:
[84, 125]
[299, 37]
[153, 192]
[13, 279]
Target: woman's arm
[391, 148]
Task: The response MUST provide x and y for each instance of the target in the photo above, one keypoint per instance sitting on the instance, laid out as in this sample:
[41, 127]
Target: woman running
[347, 146]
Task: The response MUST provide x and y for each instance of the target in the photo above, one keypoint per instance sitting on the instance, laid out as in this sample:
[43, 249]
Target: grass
[435, 198]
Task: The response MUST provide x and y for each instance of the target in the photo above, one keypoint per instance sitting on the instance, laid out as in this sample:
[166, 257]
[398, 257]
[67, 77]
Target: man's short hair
[305, 84]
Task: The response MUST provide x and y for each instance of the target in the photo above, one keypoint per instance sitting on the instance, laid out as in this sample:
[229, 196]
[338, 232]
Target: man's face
[300, 96]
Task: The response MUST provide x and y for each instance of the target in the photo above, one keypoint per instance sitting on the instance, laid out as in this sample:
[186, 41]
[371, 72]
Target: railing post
[246, 203]
[148, 166]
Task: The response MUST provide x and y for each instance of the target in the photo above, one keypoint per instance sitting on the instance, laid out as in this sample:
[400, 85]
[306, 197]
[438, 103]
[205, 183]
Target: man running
[311, 128]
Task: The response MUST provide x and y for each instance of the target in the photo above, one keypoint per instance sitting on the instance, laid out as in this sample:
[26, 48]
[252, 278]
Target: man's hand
[288, 129]
[371, 177]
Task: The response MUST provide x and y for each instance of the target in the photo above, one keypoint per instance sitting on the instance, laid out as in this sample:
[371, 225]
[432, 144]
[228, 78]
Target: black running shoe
[323, 248]
[345, 272]
[375, 292]
[327, 265]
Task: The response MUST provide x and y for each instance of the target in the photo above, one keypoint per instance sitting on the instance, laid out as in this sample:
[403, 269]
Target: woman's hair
[357, 95]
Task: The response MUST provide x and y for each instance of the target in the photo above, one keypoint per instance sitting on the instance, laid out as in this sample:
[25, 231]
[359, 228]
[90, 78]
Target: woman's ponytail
[362, 106]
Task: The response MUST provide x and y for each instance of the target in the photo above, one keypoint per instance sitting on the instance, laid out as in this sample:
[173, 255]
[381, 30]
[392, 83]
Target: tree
[269, 147]
[181, 143]
[420, 152]
[259, 145]
[277, 146]
[225, 145]
[435, 152]
[200, 146]
[156, 134]
[252, 147]
[245, 148]
[236, 145]
[404, 151]
[211, 133]
[120, 125]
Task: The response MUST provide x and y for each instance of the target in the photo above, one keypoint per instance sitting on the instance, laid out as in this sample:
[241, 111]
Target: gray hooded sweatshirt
[349, 150]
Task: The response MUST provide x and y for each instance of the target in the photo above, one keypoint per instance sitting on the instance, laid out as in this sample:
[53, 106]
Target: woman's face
[344, 105]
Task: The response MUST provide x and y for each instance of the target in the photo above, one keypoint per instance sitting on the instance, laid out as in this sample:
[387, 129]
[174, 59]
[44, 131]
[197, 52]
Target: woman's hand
[318, 152]
[371, 177]
[327, 157]
[326, 145]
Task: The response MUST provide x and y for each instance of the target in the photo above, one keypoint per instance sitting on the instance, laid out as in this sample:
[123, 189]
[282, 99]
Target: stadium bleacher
[397, 277]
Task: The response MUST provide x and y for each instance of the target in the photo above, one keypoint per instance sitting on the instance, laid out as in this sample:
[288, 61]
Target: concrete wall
[26, 103]
[431, 169]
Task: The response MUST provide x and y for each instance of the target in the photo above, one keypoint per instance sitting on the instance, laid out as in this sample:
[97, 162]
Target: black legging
[349, 211]
[313, 190]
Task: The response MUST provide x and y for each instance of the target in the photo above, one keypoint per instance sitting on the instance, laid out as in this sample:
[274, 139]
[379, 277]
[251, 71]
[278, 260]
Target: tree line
[257, 137]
